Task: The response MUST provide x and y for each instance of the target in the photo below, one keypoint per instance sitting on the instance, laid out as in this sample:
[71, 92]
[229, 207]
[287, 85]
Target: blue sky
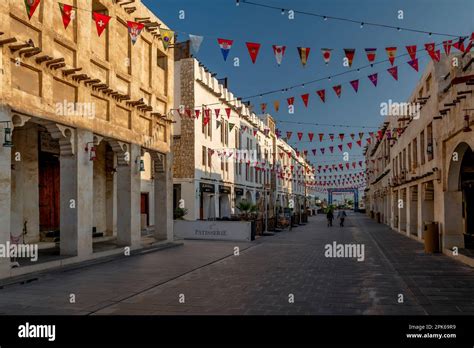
[222, 19]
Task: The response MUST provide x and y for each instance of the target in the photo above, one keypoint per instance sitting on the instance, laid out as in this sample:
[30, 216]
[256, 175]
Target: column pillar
[76, 192]
[163, 196]
[128, 196]
[5, 191]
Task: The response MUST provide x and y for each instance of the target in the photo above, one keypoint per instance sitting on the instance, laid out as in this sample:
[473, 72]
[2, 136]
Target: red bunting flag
[188, 112]
[369, 140]
[331, 148]
[310, 136]
[338, 90]
[288, 135]
[355, 85]
[66, 13]
[414, 63]
[331, 136]
[263, 107]
[321, 136]
[31, 6]
[430, 47]
[435, 55]
[349, 145]
[394, 72]
[314, 152]
[253, 49]
[217, 112]
[206, 118]
[300, 135]
[135, 29]
[340, 147]
[341, 136]
[447, 46]
[412, 51]
[326, 54]
[371, 54]
[279, 52]
[304, 54]
[305, 152]
[290, 100]
[197, 112]
[276, 105]
[349, 52]
[227, 111]
[459, 45]
[305, 98]
[373, 79]
[101, 21]
[391, 52]
[352, 136]
[322, 95]
[361, 135]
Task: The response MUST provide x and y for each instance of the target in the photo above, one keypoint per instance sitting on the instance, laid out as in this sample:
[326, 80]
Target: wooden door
[49, 192]
[144, 207]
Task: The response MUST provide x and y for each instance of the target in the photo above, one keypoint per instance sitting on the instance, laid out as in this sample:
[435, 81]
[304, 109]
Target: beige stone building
[88, 121]
[422, 169]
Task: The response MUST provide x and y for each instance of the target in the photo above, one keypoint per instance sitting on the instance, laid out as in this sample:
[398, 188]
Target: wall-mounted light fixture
[141, 167]
[7, 140]
[92, 151]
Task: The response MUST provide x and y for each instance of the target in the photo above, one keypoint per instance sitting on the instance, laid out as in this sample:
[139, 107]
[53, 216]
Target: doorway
[49, 192]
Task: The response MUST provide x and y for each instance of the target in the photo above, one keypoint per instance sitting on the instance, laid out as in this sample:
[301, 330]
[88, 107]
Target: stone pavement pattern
[261, 278]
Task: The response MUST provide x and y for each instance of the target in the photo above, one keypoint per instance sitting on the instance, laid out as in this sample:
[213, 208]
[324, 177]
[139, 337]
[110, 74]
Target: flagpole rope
[360, 22]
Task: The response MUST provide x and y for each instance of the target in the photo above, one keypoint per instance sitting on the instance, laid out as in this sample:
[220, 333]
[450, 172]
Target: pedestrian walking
[330, 217]
[341, 215]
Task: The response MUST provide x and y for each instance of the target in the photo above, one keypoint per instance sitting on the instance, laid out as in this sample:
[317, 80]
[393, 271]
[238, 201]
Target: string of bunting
[69, 12]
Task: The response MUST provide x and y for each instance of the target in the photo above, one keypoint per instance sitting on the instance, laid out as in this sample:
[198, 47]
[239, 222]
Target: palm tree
[246, 208]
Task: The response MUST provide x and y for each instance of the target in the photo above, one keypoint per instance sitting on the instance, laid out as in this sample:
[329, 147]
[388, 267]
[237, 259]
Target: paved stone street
[261, 279]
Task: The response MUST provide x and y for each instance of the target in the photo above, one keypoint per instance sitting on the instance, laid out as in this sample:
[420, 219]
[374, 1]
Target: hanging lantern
[8, 137]
[466, 124]
[142, 165]
[92, 151]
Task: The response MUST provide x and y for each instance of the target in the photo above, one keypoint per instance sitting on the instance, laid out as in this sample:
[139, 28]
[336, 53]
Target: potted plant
[179, 213]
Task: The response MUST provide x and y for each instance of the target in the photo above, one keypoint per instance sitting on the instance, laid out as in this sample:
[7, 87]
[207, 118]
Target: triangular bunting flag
[225, 46]
[197, 112]
[217, 112]
[218, 123]
[414, 63]
[341, 136]
[459, 45]
[349, 145]
[66, 13]
[314, 152]
[394, 72]
[373, 79]
[435, 55]
[321, 136]
[349, 52]
[195, 42]
[430, 47]
[340, 147]
[310, 136]
[304, 54]
[322, 94]
[227, 111]
[134, 30]
[253, 49]
[31, 6]
[355, 85]
[371, 52]
[305, 98]
[288, 135]
[166, 37]
[338, 90]
[331, 136]
[263, 107]
[231, 126]
[300, 135]
[290, 100]
[276, 105]
[352, 136]
[279, 52]
[326, 54]
[331, 148]
[411, 51]
[101, 21]
[391, 52]
[447, 46]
